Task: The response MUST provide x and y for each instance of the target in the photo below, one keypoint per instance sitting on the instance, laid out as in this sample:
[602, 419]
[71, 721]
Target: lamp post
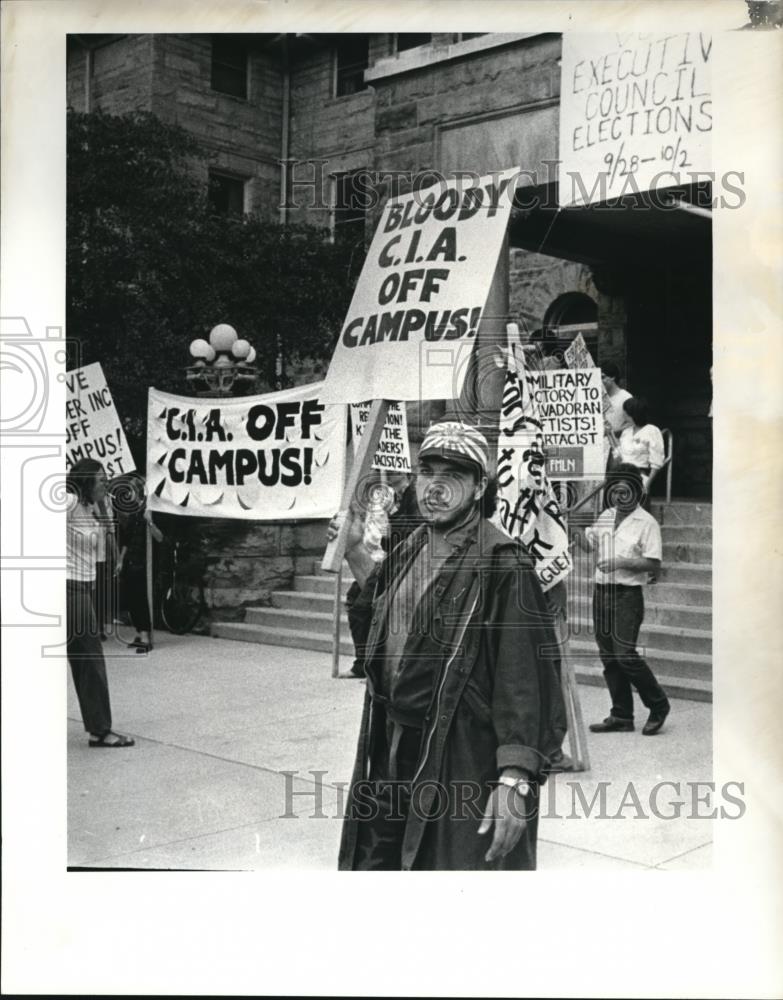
[222, 364]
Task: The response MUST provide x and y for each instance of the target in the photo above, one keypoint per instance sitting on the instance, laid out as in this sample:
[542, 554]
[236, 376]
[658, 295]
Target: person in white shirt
[616, 417]
[627, 541]
[641, 443]
[86, 484]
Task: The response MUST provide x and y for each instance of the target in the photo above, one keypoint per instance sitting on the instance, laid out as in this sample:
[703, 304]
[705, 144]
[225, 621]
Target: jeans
[618, 612]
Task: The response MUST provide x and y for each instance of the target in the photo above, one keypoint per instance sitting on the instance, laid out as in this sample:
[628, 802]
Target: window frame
[334, 225]
[336, 72]
[214, 61]
[229, 175]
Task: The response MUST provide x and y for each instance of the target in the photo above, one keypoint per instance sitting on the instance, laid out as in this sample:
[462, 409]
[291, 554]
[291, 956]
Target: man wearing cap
[462, 688]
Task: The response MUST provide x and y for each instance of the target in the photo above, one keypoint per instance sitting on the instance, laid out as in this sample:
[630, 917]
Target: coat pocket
[477, 702]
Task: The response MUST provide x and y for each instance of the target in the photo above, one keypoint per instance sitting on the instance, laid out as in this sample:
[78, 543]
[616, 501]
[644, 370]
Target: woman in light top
[86, 482]
[641, 443]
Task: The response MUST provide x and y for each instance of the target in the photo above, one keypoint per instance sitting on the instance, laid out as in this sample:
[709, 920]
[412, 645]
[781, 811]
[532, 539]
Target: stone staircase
[676, 637]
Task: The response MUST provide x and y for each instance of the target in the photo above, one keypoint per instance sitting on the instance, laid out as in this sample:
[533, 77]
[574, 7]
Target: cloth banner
[93, 428]
[527, 507]
[394, 453]
[635, 113]
[412, 323]
[258, 458]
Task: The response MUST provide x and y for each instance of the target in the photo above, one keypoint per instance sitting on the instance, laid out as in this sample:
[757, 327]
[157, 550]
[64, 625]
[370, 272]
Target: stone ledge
[430, 55]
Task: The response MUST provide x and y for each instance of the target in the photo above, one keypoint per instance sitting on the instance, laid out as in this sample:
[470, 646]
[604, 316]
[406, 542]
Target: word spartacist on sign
[569, 403]
[635, 113]
[421, 292]
[92, 425]
[261, 458]
[393, 453]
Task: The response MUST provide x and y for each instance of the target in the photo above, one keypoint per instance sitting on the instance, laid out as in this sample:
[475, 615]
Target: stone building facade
[290, 122]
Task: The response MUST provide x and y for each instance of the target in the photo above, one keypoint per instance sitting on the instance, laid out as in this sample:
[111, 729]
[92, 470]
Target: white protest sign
[92, 426]
[578, 356]
[568, 402]
[261, 458]
[394, 453]
[412, 322]
[527, 506]
[635, 113]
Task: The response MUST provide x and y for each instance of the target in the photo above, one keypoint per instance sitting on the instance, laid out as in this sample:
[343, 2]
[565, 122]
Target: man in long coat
[462, 682]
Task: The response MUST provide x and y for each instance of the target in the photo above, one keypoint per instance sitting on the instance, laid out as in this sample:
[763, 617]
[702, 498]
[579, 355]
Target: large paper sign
[635, 113]
[415, 312]
[92, 426]
[527, 507]
[394, 453]
[259, 458]
[569, 404]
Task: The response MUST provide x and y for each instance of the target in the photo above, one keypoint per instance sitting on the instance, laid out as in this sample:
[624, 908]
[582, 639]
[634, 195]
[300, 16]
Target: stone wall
[241, 137]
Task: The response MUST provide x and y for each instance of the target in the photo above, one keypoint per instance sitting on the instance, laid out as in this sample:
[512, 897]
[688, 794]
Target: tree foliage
[150, 267]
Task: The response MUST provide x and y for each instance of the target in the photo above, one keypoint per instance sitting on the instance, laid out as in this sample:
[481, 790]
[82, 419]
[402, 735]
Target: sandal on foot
[112, 739]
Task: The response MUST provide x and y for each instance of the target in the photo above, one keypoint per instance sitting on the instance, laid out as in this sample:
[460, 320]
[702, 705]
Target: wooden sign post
[368, 445]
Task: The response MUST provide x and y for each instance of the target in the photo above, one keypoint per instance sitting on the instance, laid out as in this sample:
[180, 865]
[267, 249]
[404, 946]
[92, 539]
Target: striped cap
[458, 443]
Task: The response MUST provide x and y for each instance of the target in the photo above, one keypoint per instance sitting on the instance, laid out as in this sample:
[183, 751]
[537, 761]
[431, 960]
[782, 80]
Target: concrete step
[303, 601]
[663, 662]
[675, 686]
[679, 679]
[666, 638]
[689, 552]
[293, 637]
[677, 615]
[682, 512]
[321, 583]
[686, 533]
[311, 621]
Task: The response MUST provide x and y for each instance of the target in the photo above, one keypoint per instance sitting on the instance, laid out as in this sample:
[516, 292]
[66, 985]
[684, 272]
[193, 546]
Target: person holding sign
[86, 483]
[627, 541]
[641, 443]
[461, 682]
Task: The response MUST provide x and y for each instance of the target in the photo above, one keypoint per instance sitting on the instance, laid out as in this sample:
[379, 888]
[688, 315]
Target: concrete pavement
[217, 722]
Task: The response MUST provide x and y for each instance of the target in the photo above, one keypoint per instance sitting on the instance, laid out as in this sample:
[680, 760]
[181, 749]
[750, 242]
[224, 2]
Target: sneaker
[612, 724]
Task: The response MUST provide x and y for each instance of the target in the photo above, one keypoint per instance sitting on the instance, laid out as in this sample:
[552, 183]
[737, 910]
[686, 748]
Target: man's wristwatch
[520, 785]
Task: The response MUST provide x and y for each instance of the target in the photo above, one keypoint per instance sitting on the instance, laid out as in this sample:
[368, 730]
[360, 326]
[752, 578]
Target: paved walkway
[216, 723]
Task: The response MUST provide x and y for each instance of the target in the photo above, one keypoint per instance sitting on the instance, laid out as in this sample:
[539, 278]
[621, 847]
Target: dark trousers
[385, 800]
[618, 612]
[85, 656]
[134, 588]
[105, 594]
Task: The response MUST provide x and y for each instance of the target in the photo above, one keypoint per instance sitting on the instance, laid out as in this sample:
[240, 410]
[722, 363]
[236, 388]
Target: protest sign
[578, 356]
[527, 507]
[393, 453]
[261, 458]
[568, 402]
[413, 319]
[635, 113]
[92, 426]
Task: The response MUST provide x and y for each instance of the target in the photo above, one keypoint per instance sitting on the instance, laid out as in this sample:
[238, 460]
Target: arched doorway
[569, 314]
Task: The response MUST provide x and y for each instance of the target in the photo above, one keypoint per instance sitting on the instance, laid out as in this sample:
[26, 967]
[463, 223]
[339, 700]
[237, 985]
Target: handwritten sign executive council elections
[418, 302]
[635, 113]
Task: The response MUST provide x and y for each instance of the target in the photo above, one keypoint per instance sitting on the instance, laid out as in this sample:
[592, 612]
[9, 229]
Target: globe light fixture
[223, 365]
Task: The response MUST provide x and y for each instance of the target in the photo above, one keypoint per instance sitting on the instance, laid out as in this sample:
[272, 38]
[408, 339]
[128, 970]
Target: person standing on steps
[627, 541]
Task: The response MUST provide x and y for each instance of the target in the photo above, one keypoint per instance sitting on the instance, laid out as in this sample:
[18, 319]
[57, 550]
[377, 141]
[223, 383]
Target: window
[352, 61]
[226, 194]
[467, 35]
[229, 65]
[412, 41]
[349, 207]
